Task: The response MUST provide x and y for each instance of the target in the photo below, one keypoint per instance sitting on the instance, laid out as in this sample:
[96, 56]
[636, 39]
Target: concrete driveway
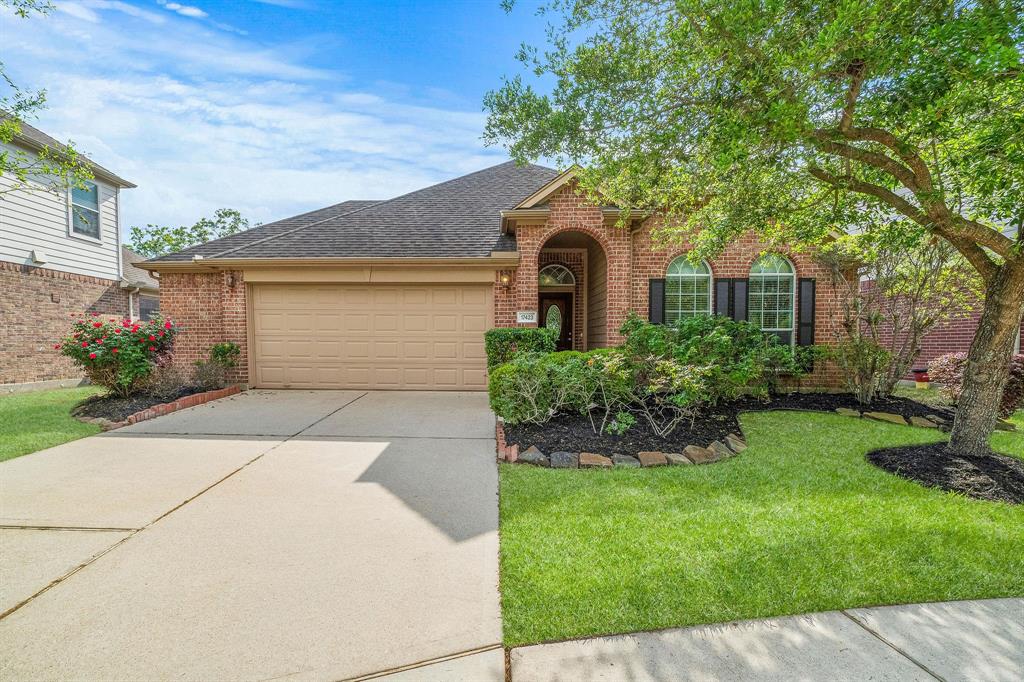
[275, 534]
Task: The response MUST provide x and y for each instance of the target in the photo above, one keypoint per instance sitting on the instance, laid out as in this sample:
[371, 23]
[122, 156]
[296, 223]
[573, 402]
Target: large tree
[52, 169]
[157, 240]
[795, 118]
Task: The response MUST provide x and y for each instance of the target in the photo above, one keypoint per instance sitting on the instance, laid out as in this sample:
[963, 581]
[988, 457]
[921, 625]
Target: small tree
[896, 283]
[158, 240]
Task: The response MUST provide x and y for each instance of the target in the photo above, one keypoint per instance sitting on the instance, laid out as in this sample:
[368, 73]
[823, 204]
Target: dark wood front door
[556, 310]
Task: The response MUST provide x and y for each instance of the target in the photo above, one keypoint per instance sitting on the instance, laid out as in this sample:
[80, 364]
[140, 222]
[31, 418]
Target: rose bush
[948, 372]
[118, 354]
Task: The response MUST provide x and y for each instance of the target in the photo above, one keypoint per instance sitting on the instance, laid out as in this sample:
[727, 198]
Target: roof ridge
[300, 227]
[374, 205]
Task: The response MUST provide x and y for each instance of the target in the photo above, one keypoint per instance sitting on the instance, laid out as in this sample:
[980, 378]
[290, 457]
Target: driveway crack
[871, 631]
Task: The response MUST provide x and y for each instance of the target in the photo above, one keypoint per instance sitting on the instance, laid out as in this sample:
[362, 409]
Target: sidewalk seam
[892, 646]
[424, 663]
[136, 531]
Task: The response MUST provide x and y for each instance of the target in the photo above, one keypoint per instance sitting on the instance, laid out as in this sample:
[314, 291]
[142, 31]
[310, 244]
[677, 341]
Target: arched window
[555, 276]
[770, 296]
[687, 289]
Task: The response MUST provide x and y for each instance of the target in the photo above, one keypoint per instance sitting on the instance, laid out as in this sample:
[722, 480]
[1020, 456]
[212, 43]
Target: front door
[556, 313]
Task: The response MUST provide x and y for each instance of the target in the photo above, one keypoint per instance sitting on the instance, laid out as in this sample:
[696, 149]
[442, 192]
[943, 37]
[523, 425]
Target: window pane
[148, 307]
[553, 319]
[84, 221]
[86, 198]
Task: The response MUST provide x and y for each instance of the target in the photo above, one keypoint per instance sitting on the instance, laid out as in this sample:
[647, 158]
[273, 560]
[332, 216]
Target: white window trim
[711, 285]
[71, 216]
[792, 274]
[556, 266]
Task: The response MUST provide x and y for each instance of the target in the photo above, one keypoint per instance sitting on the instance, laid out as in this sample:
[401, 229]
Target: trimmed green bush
[504, 343]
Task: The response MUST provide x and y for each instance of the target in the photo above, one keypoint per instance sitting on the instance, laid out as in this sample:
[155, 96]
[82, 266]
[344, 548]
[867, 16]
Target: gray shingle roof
[460, 218]
[136, 277]
[36, 139]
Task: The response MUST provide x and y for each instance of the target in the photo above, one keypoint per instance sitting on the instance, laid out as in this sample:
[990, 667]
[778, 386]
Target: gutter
[506, 259]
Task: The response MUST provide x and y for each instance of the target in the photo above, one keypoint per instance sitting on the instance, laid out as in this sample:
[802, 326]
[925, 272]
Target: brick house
[60, 256]
[396, 294]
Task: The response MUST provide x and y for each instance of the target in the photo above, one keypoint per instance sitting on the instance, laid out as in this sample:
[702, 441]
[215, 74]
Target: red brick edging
[166, 408]
[506, 452]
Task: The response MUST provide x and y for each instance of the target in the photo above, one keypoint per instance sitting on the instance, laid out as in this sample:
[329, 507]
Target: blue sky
[272, 107]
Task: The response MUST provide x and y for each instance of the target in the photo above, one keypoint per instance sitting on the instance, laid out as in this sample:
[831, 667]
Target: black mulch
[573, 432]
[992, 477]
[117, 409]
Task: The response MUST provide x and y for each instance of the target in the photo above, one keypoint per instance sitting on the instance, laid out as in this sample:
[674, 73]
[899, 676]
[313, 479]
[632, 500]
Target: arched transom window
[555, 276]
[770, 296]
[687, 289]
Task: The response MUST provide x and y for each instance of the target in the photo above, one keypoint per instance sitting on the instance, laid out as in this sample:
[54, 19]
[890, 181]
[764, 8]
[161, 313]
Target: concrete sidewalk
[967, 640]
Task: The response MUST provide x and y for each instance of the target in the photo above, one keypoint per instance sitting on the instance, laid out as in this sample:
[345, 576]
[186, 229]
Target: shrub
[864, 365]
[120, 356]
[521, 390]
[212, 373]
[166, 382]
[948, 372]
[504, 343]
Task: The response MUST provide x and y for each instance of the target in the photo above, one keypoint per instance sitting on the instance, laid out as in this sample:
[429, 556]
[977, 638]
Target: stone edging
[166, 408]
[692, 454]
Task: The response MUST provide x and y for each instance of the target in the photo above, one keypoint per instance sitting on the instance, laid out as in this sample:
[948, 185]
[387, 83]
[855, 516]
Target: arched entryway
[572, 283]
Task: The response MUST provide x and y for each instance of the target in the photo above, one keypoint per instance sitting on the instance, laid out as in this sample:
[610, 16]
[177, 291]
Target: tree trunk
[988, 362]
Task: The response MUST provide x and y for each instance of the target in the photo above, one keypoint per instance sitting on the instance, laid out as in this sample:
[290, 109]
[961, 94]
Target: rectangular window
[771, 304]
[85, 210]
[149, 306]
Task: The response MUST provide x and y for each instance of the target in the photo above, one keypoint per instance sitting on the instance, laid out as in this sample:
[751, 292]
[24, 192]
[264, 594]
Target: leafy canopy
[157, 240]
[789, 117]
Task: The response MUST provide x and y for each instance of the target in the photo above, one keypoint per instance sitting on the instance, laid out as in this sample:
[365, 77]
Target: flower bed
[113, 412]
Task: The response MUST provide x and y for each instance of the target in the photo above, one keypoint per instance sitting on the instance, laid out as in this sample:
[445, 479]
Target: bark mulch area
[573, 432]
[993, 477]
[117, 409]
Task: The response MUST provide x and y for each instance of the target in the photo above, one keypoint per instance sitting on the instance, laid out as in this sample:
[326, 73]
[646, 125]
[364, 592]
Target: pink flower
[56, 346]
[95, 314]
[99, 341]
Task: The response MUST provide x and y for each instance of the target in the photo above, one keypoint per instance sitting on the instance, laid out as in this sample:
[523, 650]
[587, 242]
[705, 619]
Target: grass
[798, 523]
[41, 419]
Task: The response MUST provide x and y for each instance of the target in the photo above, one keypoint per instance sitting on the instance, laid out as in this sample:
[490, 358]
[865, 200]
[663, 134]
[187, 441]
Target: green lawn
[33, 421]
[800, 522]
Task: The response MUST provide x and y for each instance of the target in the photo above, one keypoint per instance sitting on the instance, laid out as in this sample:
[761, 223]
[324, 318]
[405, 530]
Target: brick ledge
[166, 408]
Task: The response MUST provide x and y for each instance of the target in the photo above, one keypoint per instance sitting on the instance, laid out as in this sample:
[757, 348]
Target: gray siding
[39, 220]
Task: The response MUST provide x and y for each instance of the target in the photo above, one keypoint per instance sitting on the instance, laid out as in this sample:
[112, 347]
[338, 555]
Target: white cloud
[78, 11]
[202, 120]
[185, 10]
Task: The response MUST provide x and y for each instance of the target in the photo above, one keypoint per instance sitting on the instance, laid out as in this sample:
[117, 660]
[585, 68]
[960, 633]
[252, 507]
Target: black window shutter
[723, 291]
[739, 299]
[805, 317]
[656, 301]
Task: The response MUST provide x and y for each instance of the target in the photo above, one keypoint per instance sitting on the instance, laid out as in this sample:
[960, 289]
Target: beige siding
[370, 336]
[38, 220]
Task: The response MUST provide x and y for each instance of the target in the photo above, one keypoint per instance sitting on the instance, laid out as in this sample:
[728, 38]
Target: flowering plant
[118, 354]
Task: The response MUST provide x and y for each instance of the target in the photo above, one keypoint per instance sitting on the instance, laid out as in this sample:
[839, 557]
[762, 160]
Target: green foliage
[864, 365]
[504, 343]
[791, 123]
[158, 240]
[212, 373]
[622, 423]
[521, 390]
[119, 355]
[53, 169]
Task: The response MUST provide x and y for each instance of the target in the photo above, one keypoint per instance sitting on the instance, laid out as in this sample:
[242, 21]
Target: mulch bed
[117, 409]
[573, 433]
[994, 477]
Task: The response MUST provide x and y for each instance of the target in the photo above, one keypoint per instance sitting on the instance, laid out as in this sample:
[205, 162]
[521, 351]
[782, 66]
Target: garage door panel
[370, 336]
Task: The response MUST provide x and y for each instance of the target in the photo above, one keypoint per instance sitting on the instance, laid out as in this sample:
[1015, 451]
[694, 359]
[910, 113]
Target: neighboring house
[397, 294]
[60, 257]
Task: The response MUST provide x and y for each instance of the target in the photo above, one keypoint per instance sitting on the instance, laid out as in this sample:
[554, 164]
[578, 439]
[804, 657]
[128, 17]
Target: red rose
[135, 328]
[167, 324]
[117, 331]
[100, 341]
[97, 324]
[95, 314]
[114, 350]
[81, 321]
[126, 323]
[56, 346]
[92, 356]
[85, 344]
[161, 334]
[152, 347]
[152, 338]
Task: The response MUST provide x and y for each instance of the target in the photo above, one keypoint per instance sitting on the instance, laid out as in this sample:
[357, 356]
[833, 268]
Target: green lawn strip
[40, 419]
[799, 523]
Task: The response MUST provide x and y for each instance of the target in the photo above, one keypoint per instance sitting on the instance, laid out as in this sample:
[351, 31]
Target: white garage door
[370, 336]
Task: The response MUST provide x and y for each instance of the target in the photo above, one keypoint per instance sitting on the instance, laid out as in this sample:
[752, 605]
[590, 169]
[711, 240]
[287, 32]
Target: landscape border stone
[154, 411]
